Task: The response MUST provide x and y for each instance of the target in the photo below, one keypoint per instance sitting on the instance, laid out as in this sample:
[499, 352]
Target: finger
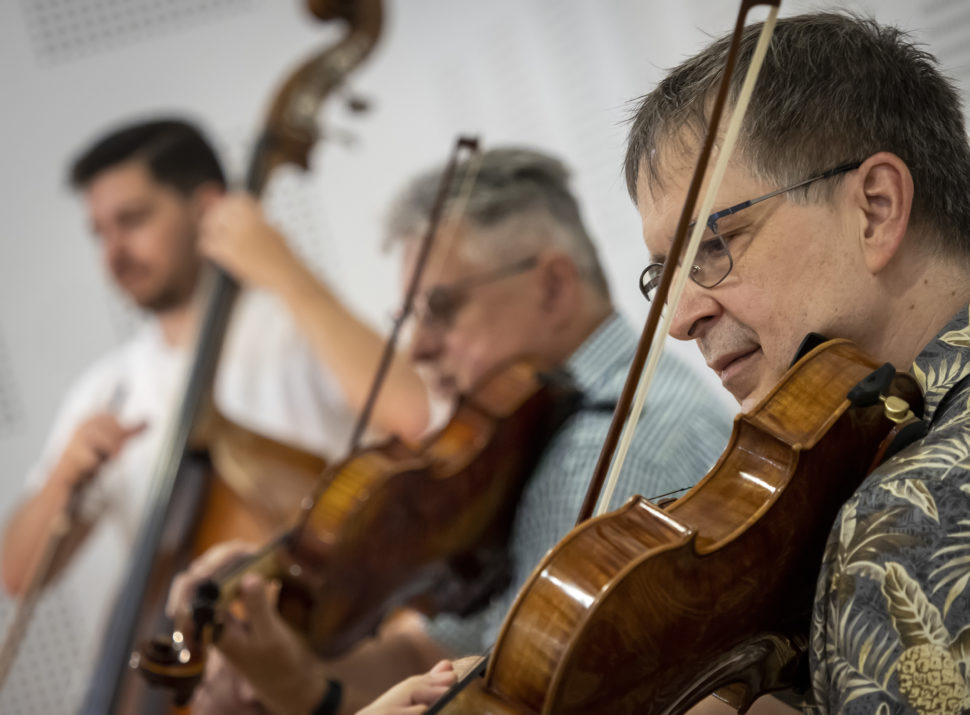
[443, 666]
[184, 584]
[427, 694]
[176, 594]
[235, 642]
[220, 556]
[136, 428]
[85, 460]
[107, 436]
[463, 665]
[259, 599]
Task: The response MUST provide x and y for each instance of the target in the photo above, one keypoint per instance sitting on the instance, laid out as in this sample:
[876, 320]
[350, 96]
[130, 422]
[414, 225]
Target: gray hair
[524, 194]
[834, 88]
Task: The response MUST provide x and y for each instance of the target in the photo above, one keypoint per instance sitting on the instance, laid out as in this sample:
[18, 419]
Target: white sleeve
[91, 392]
[271, 381]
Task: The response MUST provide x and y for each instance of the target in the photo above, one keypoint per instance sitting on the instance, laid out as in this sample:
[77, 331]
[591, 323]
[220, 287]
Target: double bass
[179, 485]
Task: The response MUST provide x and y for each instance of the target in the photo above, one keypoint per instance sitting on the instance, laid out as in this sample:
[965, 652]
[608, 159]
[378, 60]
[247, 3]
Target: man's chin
[757, 394]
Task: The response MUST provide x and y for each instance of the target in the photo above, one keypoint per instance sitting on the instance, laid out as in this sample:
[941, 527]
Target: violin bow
[672, 282]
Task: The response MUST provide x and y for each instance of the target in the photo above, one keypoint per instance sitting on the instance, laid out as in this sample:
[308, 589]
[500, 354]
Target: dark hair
[174, 151]
[510, 183]
[834, 88]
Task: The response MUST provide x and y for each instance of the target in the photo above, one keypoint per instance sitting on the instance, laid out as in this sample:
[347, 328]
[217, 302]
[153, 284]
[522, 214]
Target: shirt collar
[594, 360]
[944, 362]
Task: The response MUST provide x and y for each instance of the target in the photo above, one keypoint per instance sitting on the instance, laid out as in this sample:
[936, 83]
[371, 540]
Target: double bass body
[647, 610]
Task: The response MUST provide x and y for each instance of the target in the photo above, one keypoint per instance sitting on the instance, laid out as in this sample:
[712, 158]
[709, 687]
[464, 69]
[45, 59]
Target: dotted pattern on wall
[11, 406]
[62, 30]
[45, 677]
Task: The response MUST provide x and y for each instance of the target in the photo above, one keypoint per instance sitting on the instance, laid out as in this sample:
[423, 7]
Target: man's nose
[695, 313]
[426, 342]
[111, 243]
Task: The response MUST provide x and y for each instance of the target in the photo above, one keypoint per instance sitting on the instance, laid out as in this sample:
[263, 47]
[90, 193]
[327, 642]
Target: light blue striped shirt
[685, 428]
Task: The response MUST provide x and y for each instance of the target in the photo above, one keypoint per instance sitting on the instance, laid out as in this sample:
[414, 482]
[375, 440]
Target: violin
[648, 610]
[393, 523]
[179, 484]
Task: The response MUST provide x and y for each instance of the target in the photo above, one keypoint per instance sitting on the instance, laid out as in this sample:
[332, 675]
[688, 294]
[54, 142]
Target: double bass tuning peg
[357, 104]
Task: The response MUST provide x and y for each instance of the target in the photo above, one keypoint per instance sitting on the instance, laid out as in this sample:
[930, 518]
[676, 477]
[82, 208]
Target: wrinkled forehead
[449, 259]
[664, 180]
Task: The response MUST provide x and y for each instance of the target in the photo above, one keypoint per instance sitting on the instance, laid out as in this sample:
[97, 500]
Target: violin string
[680, 277]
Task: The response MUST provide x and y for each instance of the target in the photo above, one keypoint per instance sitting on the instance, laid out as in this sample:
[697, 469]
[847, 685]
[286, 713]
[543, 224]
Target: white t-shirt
[268, 380]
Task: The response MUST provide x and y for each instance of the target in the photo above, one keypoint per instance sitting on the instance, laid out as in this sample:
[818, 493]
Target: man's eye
[133, 219]
[711, 248]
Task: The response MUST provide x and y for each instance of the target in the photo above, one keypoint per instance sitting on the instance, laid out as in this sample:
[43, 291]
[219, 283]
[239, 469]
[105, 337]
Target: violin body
[424, 526]
[648, 611]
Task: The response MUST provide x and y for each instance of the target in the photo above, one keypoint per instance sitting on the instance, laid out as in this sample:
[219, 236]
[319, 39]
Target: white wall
[556, 74]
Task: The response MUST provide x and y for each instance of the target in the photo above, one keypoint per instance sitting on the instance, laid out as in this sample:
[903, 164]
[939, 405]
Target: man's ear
[204, 195]
[559, 282]
[885, 197]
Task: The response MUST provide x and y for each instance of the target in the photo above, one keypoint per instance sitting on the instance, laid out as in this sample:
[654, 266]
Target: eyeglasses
[438, 307]
[713, 262]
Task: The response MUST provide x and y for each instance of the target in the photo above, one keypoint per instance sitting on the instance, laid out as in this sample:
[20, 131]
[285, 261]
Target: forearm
[382, 662]
[351, 350]
[28, 532]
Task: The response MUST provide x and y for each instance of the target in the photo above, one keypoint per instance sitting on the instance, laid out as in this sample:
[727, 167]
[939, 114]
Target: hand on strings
[283, 672]
[415, 694]
[234, 234]
[96, 440]
[184, 585]
[279, 669]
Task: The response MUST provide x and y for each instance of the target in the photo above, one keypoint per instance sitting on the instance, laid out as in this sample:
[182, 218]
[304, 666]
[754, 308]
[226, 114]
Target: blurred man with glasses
[521, 277]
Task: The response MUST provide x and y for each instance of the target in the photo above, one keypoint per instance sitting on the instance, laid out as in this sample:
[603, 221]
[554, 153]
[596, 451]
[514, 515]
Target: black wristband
[331, 701]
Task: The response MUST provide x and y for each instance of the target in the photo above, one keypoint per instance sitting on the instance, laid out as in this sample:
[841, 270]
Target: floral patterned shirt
[891, 624]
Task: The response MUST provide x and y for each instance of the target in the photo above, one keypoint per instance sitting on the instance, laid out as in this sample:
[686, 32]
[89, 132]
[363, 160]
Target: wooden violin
[394, 525]
[647, 610]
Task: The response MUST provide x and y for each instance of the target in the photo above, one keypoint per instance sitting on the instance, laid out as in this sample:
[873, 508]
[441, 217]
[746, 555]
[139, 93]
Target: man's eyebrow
[662, 258]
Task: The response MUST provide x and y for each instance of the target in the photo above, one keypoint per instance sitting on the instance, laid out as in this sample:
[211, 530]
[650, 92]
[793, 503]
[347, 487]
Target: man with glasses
[520, 277]
[868, 239]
